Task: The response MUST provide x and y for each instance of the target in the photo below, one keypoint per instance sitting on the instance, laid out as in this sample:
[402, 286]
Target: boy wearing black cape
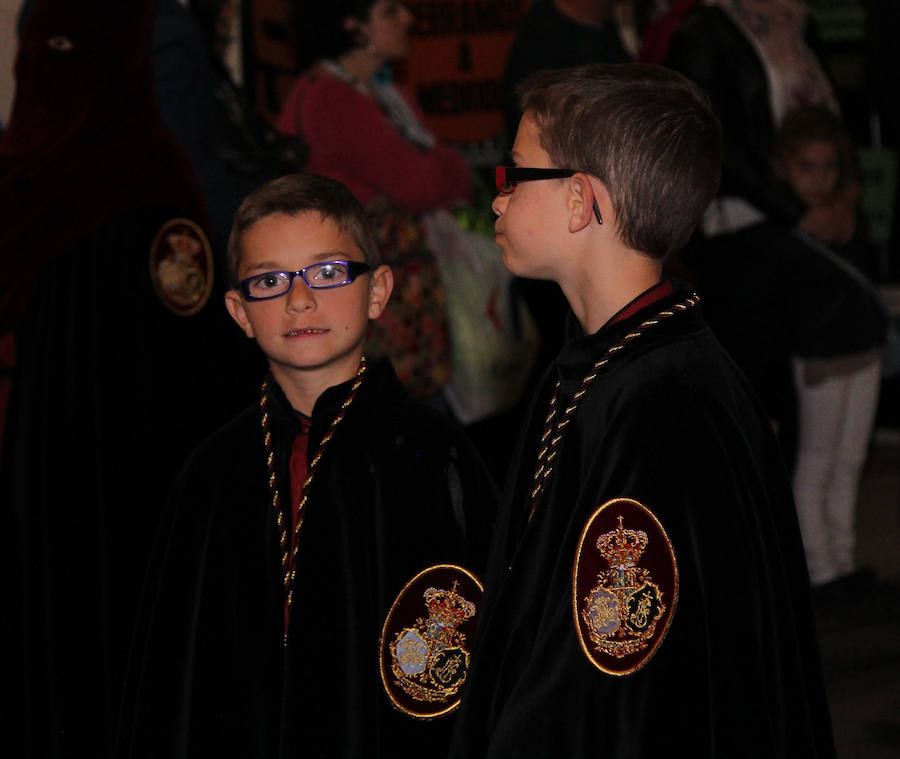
[646, 593]
[314, 593]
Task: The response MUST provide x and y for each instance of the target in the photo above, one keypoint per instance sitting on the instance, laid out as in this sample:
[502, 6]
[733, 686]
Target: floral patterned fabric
[412, 331]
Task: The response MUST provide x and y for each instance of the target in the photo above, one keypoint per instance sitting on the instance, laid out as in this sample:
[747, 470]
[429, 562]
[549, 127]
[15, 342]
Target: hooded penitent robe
[123, 361]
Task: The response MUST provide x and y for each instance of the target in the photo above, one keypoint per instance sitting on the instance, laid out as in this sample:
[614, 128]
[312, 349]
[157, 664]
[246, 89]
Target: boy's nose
[300, 297]
[499, 204]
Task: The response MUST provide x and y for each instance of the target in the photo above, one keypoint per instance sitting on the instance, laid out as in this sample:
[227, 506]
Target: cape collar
[582, 350]
[380, 384]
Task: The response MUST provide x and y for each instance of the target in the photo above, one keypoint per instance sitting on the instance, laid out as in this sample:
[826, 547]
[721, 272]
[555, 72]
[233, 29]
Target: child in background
[838, 379]
[814, 157]
[314, 595]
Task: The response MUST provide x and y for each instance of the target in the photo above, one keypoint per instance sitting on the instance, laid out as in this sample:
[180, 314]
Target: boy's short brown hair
[646, 132]
[293, 195]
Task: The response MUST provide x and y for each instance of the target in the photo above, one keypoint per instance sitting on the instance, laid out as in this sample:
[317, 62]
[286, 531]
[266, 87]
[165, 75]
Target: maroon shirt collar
[659, 291]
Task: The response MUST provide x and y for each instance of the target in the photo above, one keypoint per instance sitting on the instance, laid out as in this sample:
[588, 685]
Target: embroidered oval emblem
[426, 640]
[624, 586]
[181, 266]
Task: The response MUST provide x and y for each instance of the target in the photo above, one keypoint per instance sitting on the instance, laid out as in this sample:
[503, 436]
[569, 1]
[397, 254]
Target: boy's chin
[510, 260]
[515, 267]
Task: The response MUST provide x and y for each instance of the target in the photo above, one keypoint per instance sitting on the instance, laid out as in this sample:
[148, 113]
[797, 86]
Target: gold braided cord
[554, 429]
[288, 562]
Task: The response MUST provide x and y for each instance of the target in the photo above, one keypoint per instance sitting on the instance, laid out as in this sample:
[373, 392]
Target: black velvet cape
[397, 490]
[671, 423]
[111, 389]
[111, 392]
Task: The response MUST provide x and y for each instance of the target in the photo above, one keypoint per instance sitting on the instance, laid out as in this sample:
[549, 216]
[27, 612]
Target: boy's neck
[608, 284]
[302, 388]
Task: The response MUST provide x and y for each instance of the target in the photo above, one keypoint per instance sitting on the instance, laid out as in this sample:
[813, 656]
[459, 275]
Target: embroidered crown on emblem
[621, 547]
[447, 607]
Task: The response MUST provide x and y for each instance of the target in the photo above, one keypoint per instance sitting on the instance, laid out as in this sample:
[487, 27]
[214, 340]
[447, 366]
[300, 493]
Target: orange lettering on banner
[456, 61]
[269, 55]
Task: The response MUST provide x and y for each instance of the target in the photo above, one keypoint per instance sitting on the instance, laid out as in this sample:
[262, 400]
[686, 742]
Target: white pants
[835, 423]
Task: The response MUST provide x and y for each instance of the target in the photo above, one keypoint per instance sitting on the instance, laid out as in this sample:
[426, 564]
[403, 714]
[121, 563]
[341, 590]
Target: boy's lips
[305, 331]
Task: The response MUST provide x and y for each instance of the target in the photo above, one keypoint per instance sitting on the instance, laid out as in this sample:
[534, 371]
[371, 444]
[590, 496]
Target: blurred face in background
[387, 29]
[813, 171]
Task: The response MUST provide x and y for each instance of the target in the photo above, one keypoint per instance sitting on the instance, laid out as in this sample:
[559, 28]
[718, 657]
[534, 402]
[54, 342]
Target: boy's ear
[235, 305]
[380, 290]
[581, 201]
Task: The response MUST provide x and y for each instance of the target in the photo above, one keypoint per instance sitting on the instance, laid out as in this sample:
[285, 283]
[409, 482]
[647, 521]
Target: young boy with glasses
[646, 590]
[315, 593]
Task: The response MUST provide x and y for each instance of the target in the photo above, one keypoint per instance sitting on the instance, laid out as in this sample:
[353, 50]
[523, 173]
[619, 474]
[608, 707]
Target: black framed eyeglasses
[507, 179]
[324, 275]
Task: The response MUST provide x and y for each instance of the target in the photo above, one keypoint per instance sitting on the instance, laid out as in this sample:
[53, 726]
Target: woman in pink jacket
[360, 128]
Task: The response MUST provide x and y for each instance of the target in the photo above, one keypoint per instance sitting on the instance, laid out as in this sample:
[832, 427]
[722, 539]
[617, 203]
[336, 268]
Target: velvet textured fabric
[397, 490]
[672, 424]
[110, 392]
[111, 388]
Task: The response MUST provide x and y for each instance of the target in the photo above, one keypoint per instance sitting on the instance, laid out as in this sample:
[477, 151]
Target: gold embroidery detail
[429, 660]
[181, 266]
[622, 610]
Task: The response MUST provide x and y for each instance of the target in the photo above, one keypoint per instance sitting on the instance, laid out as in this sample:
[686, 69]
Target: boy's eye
[268, 281]
[330, 273]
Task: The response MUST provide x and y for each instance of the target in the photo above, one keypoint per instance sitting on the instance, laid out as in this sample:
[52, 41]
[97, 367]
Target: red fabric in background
[352, 140]
[655, 40]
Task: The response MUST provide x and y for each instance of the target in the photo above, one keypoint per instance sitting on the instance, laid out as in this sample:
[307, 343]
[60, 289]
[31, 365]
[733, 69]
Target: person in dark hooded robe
[110, 305]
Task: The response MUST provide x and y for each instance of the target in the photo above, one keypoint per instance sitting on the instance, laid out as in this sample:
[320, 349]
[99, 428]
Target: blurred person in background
[231, 149]
[106, 283]
[756, 60]
[797, 319]
[837, 378]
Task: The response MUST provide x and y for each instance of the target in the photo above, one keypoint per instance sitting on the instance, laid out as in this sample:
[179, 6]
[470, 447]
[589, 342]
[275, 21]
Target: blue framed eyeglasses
[324, 275]
[508, 177]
